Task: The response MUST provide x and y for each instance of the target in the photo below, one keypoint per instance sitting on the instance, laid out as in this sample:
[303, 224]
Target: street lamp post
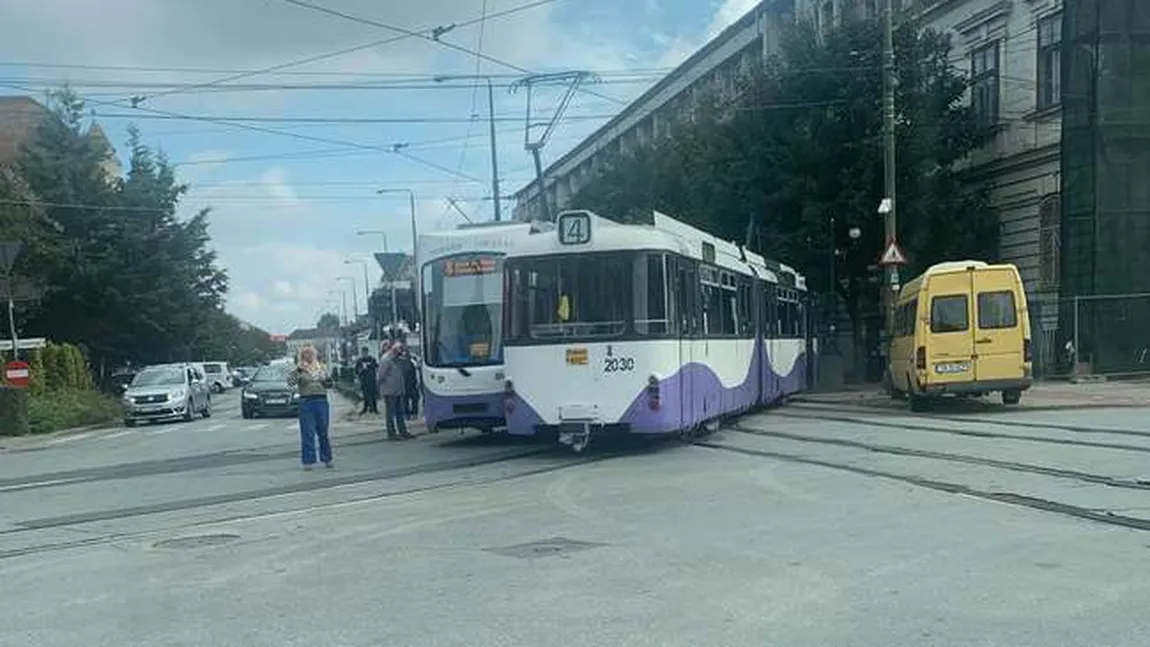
[366, 284]
[343, 299]
[390, 279]
[415, 287]
[491, 128]
[354, 296]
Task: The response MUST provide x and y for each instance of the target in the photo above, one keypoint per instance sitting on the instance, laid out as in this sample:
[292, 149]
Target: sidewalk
[1042, 396]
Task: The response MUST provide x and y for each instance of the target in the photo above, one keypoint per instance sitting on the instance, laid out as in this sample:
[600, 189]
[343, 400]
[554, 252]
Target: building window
[826, 17]
[1049, 61]
[984, 83]
[1050, 240]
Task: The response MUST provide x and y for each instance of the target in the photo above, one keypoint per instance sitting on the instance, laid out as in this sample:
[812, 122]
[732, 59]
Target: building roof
[19, 119]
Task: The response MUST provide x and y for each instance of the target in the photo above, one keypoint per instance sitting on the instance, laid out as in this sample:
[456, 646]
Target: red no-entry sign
[18, 374]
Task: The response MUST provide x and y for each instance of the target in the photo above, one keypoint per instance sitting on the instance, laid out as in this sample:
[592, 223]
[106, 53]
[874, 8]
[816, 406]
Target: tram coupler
[577, 436]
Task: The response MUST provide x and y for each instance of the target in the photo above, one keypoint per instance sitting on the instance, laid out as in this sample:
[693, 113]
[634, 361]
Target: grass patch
[66, 409]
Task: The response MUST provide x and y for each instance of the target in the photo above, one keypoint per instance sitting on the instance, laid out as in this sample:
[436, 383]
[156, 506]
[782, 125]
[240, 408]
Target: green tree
[328, 321]
[802, 148]
[128, 279]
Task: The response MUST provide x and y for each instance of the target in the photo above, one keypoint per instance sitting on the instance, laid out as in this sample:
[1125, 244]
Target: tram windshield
[568, 297]
[463, 305]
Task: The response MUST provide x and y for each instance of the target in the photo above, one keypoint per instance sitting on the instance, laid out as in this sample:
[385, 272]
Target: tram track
[982, 420]
[71, 522]
[1011, 498]
[895, 450]
[971, 433]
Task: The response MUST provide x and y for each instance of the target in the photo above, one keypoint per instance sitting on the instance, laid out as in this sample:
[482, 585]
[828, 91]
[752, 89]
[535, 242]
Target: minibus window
[949, 314]
[996, 310]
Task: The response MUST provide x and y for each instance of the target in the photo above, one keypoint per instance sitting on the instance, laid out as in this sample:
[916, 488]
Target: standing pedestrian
[365, 369]
[393, 390]
[410, 383]
[311, 380]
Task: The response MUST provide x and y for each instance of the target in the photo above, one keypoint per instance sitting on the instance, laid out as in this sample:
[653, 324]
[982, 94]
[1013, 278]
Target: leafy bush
[68, 408]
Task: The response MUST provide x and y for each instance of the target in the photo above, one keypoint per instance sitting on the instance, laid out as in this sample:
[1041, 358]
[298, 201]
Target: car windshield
[277, 373]
[160, 377]
[463, 296]
[213, 368]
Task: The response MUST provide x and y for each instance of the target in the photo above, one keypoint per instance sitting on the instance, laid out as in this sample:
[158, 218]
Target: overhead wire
[396, 149]
[438, 41]
[329, 55]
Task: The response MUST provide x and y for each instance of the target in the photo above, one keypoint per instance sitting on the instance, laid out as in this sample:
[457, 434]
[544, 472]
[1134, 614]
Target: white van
[218, 375]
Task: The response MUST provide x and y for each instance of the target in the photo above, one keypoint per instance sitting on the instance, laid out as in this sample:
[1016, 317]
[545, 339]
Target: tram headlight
[653, 396]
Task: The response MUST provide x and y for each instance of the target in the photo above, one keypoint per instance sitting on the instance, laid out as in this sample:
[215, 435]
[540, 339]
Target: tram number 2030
[618, 364]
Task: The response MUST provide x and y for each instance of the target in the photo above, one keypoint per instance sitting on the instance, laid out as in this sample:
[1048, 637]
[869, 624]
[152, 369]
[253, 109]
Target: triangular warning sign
[893, 255]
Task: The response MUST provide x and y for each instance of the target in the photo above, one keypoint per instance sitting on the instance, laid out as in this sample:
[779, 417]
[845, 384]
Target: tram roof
[499, 237]
[662, 233]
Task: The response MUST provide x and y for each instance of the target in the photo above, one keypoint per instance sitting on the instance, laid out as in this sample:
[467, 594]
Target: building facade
[1011, 51]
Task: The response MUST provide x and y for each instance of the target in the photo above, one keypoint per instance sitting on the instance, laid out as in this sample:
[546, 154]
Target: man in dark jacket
[394, 392]
[365, 370]
[410, 383]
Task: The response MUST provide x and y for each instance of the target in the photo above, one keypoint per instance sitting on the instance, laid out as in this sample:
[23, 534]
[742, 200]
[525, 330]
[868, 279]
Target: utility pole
[494, 155]
[888, 207]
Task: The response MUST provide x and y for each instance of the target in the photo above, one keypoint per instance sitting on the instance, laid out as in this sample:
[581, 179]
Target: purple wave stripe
[438, 409]
[706, 399]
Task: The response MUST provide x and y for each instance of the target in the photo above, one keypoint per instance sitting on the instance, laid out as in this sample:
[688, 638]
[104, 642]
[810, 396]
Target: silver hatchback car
[167, 392]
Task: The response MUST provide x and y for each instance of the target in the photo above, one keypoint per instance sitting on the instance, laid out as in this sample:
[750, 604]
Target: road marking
[215, 427]
[26, 486]
[72, 438]
[118, 434]
[166, 429]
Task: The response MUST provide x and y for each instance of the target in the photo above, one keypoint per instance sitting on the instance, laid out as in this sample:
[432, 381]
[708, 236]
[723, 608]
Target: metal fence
[1101, 334]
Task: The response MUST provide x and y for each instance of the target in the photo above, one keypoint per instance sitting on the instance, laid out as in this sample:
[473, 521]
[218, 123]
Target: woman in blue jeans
[311, 380]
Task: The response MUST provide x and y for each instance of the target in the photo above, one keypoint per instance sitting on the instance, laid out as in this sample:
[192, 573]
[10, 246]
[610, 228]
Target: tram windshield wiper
[462, 371]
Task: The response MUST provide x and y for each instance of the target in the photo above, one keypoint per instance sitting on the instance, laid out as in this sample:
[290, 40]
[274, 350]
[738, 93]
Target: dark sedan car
[268, 393]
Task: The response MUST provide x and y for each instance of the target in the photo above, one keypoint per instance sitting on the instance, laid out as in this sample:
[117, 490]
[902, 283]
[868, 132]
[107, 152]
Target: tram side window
[769, 314]
[785, 316]
[649, 285]
[712, 301]
[730, 304]
[515, 307]
[745, 319]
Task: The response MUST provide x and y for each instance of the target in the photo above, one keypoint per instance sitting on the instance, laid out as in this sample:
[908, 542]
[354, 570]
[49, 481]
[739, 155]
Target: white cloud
[679, 48]
[283, 289]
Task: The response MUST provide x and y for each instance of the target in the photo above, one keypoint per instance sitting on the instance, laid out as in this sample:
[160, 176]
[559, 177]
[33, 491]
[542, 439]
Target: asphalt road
[806, 525]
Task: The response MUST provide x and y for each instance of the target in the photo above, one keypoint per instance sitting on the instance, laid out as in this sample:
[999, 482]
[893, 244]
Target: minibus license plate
[950, 368]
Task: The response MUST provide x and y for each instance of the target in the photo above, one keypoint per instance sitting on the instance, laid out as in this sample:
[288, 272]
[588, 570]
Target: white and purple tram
[462, 285]
[645, 329]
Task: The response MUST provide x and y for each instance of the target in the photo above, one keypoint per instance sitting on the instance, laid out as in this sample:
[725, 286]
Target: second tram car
[645, 329]
[462, 284]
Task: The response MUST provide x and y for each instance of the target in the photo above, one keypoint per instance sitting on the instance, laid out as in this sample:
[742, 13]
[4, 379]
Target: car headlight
[250, 396]
[126, 399]
[177, 394]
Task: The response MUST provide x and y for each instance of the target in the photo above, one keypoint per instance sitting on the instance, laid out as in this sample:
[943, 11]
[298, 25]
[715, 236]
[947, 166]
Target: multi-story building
[713, 70]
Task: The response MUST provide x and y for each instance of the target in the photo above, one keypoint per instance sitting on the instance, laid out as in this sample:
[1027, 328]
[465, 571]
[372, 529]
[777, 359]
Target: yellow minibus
[961, 328]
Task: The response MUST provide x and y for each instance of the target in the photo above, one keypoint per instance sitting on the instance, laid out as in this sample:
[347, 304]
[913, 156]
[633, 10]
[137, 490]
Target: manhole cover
[544, 548]
[196, 541]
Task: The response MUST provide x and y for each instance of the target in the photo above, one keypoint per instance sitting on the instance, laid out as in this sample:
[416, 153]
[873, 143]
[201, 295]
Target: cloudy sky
[287, 197]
